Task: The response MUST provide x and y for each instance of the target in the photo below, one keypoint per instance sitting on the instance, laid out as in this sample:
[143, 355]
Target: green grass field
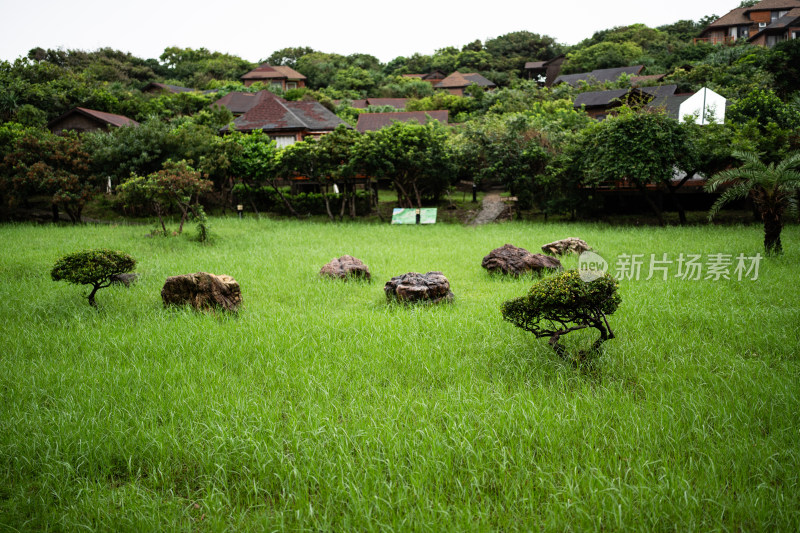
[320, 407]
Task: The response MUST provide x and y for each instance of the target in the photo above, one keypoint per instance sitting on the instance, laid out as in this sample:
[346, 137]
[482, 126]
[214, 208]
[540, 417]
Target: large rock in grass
[346, 267]
[570, 245]
[202, 291]
[518, 261]
[414, 287]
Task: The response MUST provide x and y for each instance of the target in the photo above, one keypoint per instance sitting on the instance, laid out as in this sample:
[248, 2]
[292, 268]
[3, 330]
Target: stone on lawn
[414, 287]
[517, 261]
[570, 245]
[346, 267]
[202, 291]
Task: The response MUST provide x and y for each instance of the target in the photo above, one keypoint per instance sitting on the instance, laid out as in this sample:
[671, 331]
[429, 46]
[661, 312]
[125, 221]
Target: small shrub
[92, 267]
[563, 303]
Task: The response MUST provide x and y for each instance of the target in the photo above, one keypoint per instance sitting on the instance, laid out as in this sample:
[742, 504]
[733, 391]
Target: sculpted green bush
[92, 267]
[563, 303]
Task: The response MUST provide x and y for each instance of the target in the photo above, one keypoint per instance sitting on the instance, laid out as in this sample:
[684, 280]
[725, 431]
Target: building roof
[273, 114]
[458, 80]
[237, 102]
[670, 104]
[735, 17]
[376, 121]
[397, 103]
[652, 77]
[268, 72]
[107, 119]
[535, 65]
[167, 87]
[770, 5]
[607, 98]
[600, 75]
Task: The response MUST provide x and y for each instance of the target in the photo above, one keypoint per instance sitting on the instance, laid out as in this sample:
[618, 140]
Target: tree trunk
[652, 204]
[772, 233]
[285, 200]
[92, 302]
[673, 189]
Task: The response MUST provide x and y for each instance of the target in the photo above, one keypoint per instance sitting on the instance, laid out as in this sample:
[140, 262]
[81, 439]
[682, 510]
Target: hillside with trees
[522, 136]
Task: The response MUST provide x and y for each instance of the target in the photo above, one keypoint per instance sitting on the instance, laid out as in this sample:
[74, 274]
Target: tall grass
[322, 407]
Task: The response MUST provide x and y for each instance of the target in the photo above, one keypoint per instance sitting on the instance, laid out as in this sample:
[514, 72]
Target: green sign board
[409, 215]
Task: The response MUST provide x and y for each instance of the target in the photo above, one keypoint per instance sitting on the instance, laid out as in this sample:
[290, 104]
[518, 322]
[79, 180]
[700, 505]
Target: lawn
[321, 407]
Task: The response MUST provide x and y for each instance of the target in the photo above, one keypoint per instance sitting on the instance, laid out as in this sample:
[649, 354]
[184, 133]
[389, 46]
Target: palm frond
[737, 192]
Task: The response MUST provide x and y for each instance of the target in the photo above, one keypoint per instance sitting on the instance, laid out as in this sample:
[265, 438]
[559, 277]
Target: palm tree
[772, 187]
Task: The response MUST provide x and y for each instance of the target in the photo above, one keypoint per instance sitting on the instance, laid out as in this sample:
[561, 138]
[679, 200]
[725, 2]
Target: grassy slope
[321, 407]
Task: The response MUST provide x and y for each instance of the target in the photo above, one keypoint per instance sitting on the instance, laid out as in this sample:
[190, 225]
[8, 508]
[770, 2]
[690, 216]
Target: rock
[413, 287]
[124, 279]
[202, 291]
[571, 245]
[516, 261]
[346, 267]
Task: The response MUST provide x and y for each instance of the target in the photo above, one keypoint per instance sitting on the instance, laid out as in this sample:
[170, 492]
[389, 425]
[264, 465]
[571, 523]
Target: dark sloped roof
[601, 75]
[237, 102]
[660, 90]
[273, 114]
[266, 71]
[598, 98]
[670, 104]
[103, 118]
[651, 77]
[314, 115]
[457, 80]
[606, 98]
[376, 121]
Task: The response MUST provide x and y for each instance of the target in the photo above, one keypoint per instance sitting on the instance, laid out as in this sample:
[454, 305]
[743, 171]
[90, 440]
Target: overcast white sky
[255, 29]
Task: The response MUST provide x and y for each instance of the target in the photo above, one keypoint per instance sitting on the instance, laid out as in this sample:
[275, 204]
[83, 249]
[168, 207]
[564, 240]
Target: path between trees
[491, 208]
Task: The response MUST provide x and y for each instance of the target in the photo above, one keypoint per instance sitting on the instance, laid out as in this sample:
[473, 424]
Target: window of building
[291, 85]
[282, 141]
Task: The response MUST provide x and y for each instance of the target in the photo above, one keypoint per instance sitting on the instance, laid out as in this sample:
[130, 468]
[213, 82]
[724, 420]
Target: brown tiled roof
[237, 102]
[273, 114]
[376, 121]
[769, 5]
[268, 72]
[735, 17]
[397, 103]
[457, 80]
[109, 119]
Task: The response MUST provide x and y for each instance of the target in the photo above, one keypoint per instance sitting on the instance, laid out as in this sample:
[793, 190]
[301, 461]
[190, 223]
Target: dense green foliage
[563, 303]
[528, 138]
[92, 267]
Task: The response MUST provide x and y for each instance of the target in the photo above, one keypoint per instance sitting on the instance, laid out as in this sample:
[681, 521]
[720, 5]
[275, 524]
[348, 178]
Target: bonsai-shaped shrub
[563, 303]
[92, 267]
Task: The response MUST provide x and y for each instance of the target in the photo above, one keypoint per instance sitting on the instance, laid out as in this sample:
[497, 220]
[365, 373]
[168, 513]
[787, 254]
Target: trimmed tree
[563, 303]
[96, 268]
